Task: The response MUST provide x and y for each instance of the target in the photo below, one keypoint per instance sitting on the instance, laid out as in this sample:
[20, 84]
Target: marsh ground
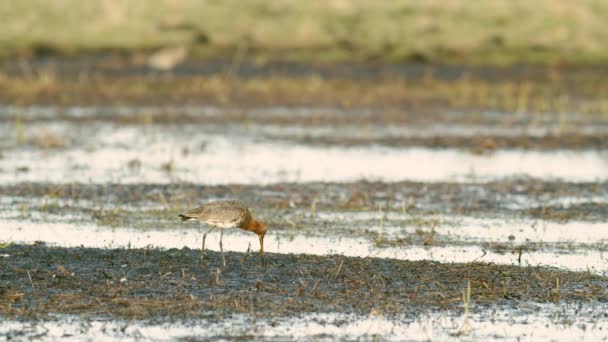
[388, 190]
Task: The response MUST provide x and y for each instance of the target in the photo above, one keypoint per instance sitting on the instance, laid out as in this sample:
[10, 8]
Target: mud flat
[386, 196]
[39, 281]
[165, 286]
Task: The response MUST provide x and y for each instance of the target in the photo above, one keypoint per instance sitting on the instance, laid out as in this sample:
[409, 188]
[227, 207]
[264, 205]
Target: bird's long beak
[262, 250]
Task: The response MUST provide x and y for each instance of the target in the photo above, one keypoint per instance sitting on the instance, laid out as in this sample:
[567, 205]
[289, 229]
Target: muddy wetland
[403, 202]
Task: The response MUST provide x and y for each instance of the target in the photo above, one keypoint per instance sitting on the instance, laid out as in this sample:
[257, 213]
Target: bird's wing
[225, 215]
[220, 211]
[195, 212]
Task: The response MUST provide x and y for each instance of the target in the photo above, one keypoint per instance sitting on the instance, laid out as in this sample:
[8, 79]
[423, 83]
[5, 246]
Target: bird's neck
[253, 225]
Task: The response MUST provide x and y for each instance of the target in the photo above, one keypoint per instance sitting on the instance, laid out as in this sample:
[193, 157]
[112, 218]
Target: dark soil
[37, 281]
[565, 101]
[127, 66]
[492, 199]
[408, 87]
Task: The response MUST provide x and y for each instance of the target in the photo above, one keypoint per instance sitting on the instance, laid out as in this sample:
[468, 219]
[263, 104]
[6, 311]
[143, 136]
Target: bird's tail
[184, 217]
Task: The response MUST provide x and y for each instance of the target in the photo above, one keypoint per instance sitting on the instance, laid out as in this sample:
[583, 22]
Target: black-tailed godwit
[226, 215]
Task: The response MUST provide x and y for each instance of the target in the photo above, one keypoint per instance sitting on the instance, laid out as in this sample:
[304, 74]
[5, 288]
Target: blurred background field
[457, 31]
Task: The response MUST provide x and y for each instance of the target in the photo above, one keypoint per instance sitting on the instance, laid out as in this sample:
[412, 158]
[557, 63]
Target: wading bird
[226, 215]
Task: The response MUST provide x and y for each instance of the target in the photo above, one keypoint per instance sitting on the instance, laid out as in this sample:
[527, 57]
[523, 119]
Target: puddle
[538, 322]
[174, 153]
[73, 235]
[463, 228]
[523, 202]
[376, 131]
[93, 112]
[529, 231]
[46, 112]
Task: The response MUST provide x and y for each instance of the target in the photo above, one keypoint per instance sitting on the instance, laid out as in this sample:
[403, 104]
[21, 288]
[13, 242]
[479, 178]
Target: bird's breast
[223, 224]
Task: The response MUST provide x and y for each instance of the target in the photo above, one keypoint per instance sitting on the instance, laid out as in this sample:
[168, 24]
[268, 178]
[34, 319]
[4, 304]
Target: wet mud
[518, 197]
[39, 281]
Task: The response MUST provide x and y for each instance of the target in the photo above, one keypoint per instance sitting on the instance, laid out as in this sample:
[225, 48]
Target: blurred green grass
[462, 31]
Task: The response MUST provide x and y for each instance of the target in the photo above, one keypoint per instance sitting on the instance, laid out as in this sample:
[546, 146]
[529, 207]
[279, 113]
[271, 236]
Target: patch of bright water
[523, 202]
[72, 235]
[528, 231]
[41, 112]
[464, 228]
[17, 205]
[92, 112]
[174, 153]
[537, 322]
[375, 131]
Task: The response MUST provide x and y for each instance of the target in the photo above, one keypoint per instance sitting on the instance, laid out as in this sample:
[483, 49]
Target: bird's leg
[203, 246]
[262, 249]
[222, 247]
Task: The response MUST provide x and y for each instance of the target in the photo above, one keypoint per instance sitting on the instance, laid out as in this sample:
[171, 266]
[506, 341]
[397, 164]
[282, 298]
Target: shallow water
[464, 228]
[101, 153]
[538, 322]
[578, 257]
